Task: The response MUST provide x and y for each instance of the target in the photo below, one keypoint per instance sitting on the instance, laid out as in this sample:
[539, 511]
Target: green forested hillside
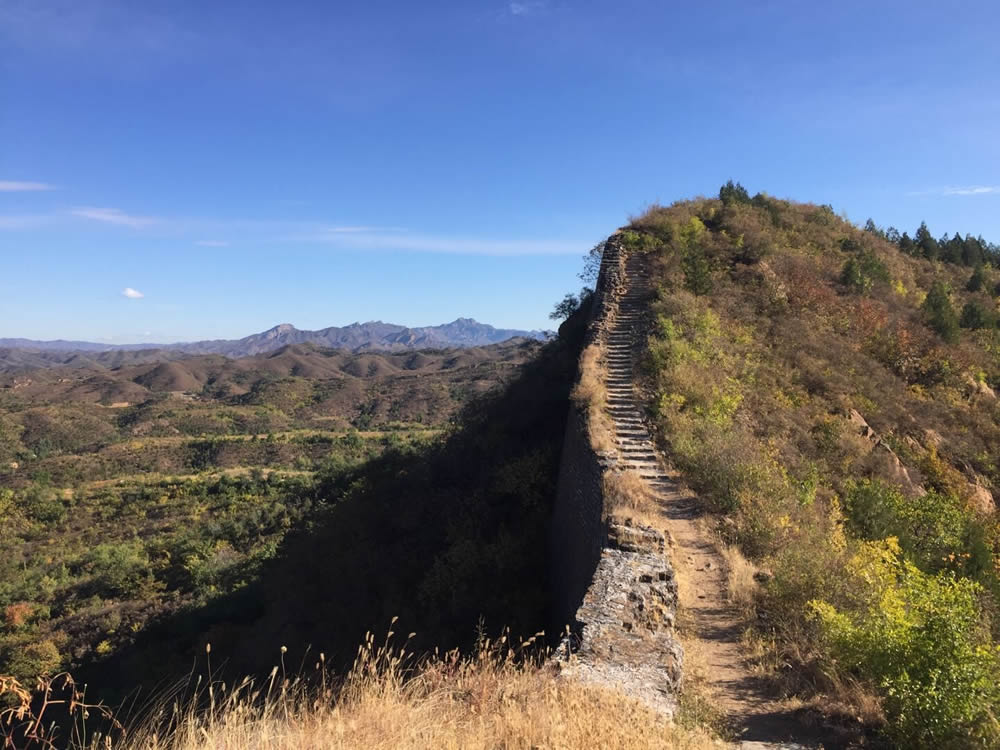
[131, 495]
[832, 398]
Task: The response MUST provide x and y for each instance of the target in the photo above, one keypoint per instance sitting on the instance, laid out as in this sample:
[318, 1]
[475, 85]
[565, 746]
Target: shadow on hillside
[450, 538]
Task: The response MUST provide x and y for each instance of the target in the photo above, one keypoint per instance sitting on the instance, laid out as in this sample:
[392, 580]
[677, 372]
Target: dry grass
[627, 495]
[491, 701]
[488, 702]
[591, 394]
[741, 583]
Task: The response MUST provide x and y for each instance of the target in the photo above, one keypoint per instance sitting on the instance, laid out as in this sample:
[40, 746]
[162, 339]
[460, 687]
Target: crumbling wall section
[614, 591]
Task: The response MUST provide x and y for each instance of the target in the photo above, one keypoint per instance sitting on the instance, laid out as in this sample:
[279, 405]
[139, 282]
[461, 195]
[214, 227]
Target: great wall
[615, 582]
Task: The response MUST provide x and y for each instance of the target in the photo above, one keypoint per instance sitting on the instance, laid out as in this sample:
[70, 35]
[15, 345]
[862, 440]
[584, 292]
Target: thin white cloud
[972, 190]
[212, 243]
[114, 216]
[15, 186]
[962, 190]
[132, 293]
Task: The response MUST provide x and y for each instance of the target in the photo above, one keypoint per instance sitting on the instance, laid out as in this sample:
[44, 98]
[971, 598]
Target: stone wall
[614, 592]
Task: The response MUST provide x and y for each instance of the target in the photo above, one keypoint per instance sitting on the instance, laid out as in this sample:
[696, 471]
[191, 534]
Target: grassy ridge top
[832, 398]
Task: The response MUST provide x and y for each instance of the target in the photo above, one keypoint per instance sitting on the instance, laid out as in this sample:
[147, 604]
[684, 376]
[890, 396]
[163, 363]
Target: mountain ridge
[372, 335]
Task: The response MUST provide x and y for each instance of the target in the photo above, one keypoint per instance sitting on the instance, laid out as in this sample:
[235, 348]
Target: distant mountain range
[371, 336]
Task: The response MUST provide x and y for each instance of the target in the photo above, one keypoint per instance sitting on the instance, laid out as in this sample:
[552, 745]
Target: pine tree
[926, 242]
[733, 193]
[977, 280]
[975, 316]
[940, 314]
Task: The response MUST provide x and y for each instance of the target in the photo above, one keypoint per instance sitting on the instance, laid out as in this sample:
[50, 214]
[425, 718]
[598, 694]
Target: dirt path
[714, 661]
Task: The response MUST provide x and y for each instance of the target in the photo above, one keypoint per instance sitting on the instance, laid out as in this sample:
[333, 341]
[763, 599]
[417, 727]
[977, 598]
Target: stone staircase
[624, 335]
[623, 635]
[623, 339]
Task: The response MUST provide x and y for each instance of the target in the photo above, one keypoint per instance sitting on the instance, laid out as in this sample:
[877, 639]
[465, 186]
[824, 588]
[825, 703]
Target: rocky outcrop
[891, 466]
[628, 612]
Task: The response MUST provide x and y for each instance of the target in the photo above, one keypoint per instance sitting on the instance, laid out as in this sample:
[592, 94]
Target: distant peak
[281, 328]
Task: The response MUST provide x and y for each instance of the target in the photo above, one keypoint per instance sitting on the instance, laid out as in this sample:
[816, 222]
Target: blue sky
[244, 164]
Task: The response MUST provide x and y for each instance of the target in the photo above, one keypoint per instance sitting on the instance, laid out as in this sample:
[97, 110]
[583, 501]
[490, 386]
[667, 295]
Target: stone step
[642, 463]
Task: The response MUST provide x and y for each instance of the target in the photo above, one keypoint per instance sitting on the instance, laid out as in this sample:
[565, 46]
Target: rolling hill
[371, 336]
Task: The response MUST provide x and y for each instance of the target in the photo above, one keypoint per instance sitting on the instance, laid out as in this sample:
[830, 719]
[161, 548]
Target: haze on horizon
[186, 171]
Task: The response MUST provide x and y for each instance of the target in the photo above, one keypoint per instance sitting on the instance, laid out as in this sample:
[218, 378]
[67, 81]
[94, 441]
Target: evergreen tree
[975, 316]
[951, 248]
[873, 228]
[940, 314]
[851, 277]
[973, 252]
[977, 280]
[907, 245]
[926, 242]
[733, 193]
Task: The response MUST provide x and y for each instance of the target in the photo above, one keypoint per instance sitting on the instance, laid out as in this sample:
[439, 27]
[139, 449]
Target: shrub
[43, 504]
[862, 272]
[694, 261]
[934, 530]
[119, 569]
[917, 638]
[976, 316]
[940, 314]
[638, 241]
[26, 661]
